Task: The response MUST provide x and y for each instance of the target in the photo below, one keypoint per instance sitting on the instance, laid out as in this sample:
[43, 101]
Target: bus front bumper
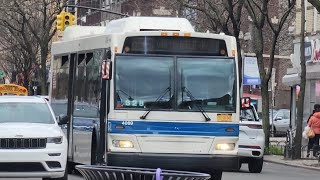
[184, 162]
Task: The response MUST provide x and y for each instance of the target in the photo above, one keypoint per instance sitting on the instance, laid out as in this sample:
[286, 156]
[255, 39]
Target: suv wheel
[255, 165]
[216, 175]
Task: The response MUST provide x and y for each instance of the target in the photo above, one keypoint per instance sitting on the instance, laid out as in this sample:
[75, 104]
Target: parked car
[251, 139]
[280, 121]
[32, 145]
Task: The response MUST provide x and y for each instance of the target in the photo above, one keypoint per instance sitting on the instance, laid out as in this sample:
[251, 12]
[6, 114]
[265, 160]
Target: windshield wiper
[184, 89]
[156, 101]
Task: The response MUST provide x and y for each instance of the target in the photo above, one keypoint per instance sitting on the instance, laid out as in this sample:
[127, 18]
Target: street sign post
[2, 74]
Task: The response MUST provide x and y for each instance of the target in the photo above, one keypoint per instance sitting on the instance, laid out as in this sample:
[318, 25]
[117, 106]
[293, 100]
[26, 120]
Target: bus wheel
[70, 167]
[216, 175]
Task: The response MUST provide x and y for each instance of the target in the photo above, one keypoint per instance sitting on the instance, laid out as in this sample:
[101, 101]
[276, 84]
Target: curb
[293, 165]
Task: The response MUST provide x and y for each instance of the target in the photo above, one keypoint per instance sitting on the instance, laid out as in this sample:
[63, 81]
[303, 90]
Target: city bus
[171, 97]
[13, 89]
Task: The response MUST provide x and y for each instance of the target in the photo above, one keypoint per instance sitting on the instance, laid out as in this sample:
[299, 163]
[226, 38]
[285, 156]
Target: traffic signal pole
[97, 9]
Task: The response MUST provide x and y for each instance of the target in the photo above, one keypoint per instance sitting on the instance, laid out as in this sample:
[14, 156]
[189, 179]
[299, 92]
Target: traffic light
[69, 19]
[65, 19]
[60, 21]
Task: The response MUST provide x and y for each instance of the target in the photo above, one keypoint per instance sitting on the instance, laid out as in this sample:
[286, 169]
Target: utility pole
[70, 5]
[97, 9]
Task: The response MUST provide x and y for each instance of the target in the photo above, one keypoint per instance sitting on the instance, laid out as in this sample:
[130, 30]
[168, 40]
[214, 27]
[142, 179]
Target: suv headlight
[55, 140]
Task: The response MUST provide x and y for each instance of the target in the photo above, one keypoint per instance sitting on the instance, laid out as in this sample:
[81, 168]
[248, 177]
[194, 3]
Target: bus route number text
[127, 123]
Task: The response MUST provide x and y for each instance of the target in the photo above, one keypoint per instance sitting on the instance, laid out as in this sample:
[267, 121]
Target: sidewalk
[311, 164]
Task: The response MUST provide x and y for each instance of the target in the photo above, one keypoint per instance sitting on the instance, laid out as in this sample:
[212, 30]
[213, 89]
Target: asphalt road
[270, 172]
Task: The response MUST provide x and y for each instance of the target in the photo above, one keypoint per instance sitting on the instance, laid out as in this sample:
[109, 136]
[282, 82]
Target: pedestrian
[310, 142]
[314, 124]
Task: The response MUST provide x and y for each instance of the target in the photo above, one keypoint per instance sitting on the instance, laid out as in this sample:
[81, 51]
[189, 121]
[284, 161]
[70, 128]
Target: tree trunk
[43, 73]
[265, 111]
[300, 104]
[258, 48]
[25, 79]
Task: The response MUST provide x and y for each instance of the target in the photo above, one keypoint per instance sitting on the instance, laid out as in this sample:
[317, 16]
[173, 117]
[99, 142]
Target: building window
[317, 91]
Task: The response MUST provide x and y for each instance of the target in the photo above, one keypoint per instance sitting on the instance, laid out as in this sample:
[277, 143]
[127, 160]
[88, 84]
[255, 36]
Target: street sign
[2, 74]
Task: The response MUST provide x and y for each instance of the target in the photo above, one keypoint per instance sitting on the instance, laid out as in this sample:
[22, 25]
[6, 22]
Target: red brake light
[249, 147]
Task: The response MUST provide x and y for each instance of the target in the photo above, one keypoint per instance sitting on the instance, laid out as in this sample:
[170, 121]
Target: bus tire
[239, 167]
[70, 167]
[216, 175]
[94, 148]
[255, 165]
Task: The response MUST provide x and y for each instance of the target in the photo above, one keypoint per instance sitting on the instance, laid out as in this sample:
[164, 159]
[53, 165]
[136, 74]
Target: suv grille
[21, 167]
[23, 143]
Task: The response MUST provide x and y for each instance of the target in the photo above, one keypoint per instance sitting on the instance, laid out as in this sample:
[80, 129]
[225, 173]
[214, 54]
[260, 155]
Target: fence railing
[128, 173]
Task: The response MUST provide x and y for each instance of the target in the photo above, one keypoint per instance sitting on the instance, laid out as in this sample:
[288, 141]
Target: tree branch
[315, 3]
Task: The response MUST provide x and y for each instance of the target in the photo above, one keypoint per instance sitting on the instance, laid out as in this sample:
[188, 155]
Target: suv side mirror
[62, 119]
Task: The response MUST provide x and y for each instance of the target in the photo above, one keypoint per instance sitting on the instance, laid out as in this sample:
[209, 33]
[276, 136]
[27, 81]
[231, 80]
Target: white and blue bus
[172, 102]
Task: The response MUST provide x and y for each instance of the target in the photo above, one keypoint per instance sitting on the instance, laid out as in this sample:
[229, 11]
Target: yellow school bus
[13, 89]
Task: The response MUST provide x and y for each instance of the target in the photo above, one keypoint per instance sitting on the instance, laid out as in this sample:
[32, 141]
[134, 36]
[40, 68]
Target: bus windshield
[178, 83]
[209, 82]
[141, 80]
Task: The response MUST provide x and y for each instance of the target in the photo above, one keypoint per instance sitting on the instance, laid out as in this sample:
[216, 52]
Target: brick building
[312, 48]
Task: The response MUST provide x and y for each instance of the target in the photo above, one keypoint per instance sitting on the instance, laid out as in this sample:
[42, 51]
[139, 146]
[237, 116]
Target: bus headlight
[225, 146]
[122, 144]
[55, 140]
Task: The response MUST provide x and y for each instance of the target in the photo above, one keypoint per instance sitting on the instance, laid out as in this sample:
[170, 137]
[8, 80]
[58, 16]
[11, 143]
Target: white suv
[251, 139]
[31, 142]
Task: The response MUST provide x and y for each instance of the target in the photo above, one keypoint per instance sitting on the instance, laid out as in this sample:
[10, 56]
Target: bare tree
[300, 104]
[39, 17]
[218, 16]
[18, 46]
[41, 24]
[259, 11]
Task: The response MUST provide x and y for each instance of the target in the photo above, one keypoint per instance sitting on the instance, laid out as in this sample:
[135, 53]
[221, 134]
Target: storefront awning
[291, 79]
[252, 96]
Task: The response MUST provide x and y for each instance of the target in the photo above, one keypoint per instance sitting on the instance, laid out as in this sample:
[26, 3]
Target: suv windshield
[26, 113]
[247, 115]
[168, 82]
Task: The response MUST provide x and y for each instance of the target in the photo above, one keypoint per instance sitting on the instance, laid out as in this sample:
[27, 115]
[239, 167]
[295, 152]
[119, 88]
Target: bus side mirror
[62, 119]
